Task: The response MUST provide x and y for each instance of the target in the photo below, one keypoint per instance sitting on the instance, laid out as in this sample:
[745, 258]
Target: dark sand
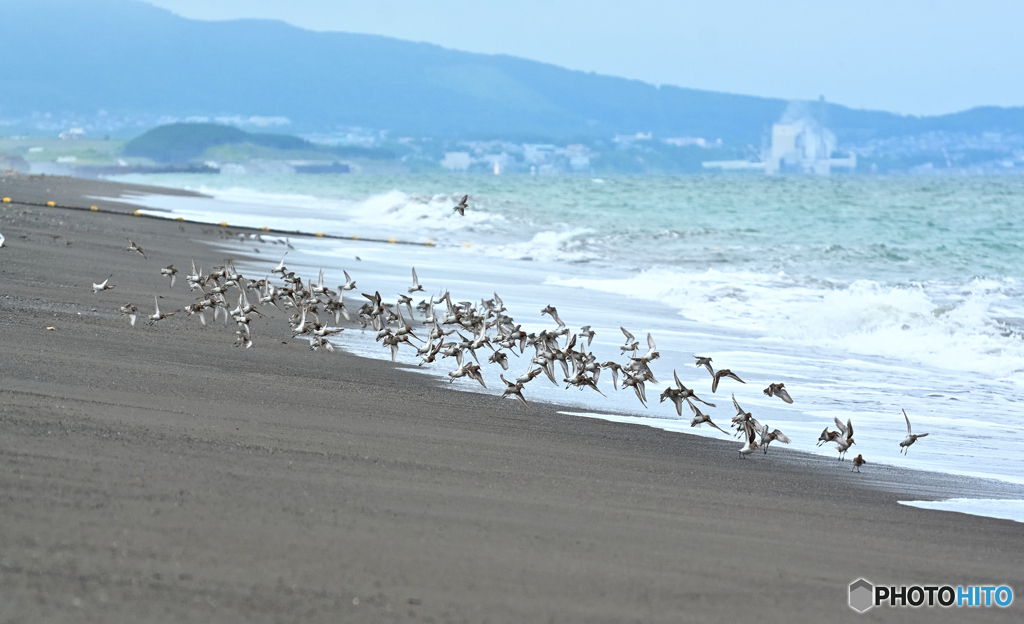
[161, 474]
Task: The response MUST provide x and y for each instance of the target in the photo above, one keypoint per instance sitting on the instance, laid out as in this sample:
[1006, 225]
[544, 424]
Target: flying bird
[779, 390]
[133, 247]
[911, 437]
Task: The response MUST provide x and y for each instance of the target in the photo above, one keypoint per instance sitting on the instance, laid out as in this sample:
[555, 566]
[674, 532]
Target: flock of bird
[459, 331]
[439, 327]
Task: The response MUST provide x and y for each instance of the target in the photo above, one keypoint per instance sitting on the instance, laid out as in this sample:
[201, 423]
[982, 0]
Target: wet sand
[161, 474]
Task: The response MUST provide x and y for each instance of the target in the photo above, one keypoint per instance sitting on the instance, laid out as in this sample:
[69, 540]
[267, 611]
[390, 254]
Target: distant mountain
[182, 142]
[129, 58]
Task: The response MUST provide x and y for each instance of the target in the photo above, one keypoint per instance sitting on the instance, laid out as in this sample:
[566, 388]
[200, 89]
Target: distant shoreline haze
[153, 65]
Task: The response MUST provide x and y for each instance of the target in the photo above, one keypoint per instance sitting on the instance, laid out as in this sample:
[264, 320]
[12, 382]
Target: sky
[906, 56]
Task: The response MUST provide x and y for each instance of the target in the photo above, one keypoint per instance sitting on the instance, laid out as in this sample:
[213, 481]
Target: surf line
[225, 224]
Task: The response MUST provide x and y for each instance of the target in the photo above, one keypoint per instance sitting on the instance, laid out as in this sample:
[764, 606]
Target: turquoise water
[865, 295]
[895, 229]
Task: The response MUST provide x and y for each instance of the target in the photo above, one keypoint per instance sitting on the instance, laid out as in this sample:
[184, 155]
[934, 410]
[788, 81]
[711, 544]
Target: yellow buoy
[223, 223]
[7, 200]
[179, 218]
[429, 243]
[265, 229]
[354, 237]
[93, 208]
[392, 240]
[137, 213]
[51, 204]
[319, 234]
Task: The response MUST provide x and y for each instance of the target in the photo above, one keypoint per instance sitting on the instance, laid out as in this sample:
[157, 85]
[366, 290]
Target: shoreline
[162, 474]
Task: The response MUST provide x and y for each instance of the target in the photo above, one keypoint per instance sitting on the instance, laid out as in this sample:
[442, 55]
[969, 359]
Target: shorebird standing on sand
[858, 461]
[911, 438]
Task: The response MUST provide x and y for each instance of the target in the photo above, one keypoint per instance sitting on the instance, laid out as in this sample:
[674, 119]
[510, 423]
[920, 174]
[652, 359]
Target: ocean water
[864, 295]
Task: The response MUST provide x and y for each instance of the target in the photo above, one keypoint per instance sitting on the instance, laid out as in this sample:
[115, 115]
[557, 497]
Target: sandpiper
[725, 372]
[169, 271]
[779, 390]
[911, 437]
[104, 285]
[133, 247]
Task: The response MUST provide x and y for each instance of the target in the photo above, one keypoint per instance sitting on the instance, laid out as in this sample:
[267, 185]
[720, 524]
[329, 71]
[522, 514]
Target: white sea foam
[904, 323]
[548, 246]
[391, 214]
[992, 508]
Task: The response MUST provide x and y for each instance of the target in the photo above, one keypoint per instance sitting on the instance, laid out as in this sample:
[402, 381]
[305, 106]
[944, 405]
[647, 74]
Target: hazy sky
[912, 56]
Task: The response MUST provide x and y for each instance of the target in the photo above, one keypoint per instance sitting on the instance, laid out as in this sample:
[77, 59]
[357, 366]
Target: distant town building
[799, 147]
[74, 133]
[688, 141]
[456, 161]
[804, 147]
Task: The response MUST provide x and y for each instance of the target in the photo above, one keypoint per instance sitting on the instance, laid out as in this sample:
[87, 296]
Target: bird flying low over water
[705, 362]
[911, 437]
[779, 390]
[415, 283]
[461, 206]
[725, 372]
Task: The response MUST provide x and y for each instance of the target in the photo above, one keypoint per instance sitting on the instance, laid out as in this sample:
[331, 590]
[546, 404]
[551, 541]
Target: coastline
[162, 474]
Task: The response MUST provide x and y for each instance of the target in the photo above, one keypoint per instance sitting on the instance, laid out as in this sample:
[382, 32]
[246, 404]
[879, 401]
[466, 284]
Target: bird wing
[629, 336]
[678, 383]
[415, 280]
[739, 410]
[157, 302]
[714, 382]
[839, 425]
[708, 421]
[650, 343]
[908, 421]
[735, 376]
[849, 429]
[781, 437]
[783, 394]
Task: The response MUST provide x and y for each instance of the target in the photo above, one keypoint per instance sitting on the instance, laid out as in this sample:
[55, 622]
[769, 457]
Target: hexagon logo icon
[861, 592]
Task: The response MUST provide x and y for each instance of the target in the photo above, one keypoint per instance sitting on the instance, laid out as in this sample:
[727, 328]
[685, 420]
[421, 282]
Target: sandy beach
[162, 474]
